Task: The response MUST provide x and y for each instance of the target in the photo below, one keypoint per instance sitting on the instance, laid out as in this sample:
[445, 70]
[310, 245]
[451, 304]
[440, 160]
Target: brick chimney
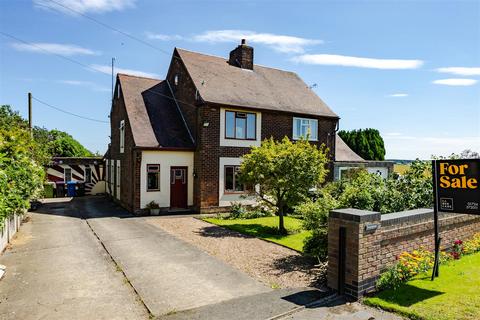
[242, 56]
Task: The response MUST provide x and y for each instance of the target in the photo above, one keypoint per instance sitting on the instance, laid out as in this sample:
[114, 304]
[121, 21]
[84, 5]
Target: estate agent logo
[456, 185]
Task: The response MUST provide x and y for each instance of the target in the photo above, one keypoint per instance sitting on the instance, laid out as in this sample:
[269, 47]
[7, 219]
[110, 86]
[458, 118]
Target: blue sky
[410, 69]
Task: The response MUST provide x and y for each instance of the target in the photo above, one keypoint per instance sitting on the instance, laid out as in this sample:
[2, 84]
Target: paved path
[169, 274]
[57, 269]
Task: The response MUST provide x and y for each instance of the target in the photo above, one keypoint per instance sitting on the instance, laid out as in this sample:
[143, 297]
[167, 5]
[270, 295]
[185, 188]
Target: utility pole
[30, 112]
[113, 75]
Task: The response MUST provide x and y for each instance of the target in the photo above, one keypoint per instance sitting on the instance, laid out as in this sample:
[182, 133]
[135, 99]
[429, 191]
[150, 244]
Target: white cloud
[163, 37]
[84, 6]
[455, 82]
[348, 61]
[87, 84]
[411, 147]
[461, 71]
[398, 95]
[281, 43]
[57, 48]
[108, 70]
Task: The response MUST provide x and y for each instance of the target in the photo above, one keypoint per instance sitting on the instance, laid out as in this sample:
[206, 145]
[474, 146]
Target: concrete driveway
[89, 259]
[57, 269]
[169, 274]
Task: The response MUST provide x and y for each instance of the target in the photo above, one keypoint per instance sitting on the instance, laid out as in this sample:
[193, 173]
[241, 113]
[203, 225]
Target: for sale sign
[457, 185]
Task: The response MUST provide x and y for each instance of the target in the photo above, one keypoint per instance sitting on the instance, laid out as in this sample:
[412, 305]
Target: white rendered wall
[165, 159]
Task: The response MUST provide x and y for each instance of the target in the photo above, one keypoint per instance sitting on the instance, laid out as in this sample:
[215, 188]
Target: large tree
[283, 173]
[60, 144]
[367, 143]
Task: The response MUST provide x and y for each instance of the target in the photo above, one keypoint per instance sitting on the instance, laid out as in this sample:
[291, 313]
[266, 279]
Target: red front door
[178, 187]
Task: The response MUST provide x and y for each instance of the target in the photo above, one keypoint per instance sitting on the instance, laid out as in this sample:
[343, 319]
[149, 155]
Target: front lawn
[453, 295]
[267, 228]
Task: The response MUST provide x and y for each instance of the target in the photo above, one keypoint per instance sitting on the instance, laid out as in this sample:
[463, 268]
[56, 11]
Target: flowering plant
[408, 265]
[472, 245]
[457, 249]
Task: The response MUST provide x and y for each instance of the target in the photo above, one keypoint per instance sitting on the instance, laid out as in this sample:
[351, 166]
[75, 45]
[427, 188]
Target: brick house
[179, 141]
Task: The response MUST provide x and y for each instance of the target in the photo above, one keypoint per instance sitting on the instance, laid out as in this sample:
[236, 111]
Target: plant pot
[154, 212]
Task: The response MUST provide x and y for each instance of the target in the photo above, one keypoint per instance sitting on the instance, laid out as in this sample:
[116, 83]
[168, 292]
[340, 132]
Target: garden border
[374, 241]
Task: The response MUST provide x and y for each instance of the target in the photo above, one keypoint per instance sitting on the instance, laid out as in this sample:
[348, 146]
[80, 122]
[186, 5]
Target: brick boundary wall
[373, 242]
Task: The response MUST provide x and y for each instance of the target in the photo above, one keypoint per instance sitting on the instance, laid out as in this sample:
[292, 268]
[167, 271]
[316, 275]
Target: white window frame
[305, 122]
[122, 136]
[241, 115]
[236, 169]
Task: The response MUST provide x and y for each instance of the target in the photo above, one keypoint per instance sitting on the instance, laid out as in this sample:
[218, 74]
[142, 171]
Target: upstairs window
[240, 125]
[231, 180]
[88, 174]
[122, 136]
[303, 127]
[153, 177]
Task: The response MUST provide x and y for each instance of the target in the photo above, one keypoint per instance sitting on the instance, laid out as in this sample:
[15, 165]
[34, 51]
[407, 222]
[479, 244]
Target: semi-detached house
[179, 141]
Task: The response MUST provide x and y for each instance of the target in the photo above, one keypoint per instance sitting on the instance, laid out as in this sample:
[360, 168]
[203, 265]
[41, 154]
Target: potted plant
[154, 208]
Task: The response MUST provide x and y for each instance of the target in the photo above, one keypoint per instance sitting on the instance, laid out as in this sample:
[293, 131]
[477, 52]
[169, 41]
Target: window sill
[309, 140]
[153, 190]
[234, 192]
[236, 139]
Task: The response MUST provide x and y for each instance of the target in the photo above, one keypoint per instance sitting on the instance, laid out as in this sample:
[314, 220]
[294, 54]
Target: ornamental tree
[283, 173]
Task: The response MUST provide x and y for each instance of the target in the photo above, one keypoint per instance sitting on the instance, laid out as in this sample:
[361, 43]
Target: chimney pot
[242, 56]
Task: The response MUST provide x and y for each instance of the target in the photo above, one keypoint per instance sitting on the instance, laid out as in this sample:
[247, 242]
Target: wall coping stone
[406, 216]
[356, 215]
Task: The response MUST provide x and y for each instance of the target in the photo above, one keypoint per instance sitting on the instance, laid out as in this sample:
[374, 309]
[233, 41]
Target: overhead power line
[67, 112]
[86, 66]
[146, 43]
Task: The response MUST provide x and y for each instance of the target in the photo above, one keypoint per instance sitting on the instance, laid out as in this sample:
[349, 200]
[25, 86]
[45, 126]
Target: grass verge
[453, 295]
[266, 228]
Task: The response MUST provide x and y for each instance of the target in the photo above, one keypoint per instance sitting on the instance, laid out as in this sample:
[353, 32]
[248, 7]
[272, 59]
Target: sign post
[455, 190]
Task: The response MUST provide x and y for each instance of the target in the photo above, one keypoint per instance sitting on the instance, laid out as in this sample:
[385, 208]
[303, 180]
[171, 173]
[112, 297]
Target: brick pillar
[362, 247]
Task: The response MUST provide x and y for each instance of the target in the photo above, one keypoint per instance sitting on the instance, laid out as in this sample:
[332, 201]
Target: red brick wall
[406, 236]
[274, 124]
[208, 151]
[128, 192]
[370, 252]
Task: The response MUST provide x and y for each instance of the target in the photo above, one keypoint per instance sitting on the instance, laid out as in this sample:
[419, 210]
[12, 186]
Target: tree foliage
[367, 143]
[283, 173]
[59, 144]
[21, 158]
